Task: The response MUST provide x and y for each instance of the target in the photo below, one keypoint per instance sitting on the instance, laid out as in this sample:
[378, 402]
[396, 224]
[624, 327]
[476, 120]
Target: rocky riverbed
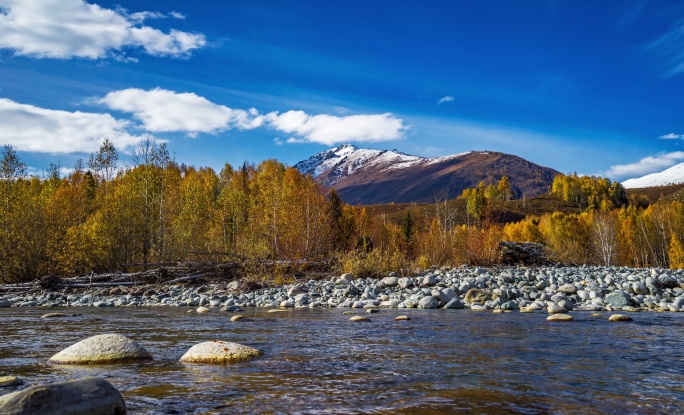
[556, 289]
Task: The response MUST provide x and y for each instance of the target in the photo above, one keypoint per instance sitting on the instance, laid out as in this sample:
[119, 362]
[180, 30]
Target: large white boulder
[101, 349]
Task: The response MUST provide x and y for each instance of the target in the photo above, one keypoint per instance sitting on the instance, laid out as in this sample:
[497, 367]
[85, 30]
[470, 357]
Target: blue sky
[592, 87]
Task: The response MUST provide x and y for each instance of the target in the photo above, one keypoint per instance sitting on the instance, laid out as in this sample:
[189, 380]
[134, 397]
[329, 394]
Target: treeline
[104, 215]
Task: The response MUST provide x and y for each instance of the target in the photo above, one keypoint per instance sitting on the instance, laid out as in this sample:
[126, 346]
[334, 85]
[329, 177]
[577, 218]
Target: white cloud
[64, 29]
[672, 136]
[30, 128]
[644, 166]
[161, 110]
[447, 98]
[330, 129]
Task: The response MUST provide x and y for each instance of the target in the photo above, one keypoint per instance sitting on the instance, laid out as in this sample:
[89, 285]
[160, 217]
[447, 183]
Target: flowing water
[318, 362]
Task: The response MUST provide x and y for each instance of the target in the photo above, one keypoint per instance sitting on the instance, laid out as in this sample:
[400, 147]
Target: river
[316, 361]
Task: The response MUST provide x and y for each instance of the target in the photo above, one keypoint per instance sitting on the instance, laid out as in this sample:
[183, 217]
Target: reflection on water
[319, 362]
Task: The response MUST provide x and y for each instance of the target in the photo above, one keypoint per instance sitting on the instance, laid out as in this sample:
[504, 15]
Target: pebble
[238, 318]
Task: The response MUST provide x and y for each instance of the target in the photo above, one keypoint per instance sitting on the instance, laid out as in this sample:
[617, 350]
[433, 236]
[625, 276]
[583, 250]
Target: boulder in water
[219, 352]
[87, 396]
[101, 349]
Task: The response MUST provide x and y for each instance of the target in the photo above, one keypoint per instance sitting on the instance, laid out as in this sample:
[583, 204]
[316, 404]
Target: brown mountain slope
[424, 182]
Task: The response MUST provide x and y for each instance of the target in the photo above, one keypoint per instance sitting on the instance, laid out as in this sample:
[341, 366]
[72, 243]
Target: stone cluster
[555, 289]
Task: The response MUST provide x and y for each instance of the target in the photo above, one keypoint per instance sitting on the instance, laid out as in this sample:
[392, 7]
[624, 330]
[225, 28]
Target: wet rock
[101, 349]
[359, 318]
[202, 310]
[509, 305]
[219, 352]
[402, 318]
[238, 318]
[5, 303]
[279, 310]
[619, 317]
[559, 317]
[9, 381]
[372, 310]
[87, 396]
[475, 295]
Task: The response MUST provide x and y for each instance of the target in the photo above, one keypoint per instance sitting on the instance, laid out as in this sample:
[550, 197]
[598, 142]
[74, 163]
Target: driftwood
[181, 272]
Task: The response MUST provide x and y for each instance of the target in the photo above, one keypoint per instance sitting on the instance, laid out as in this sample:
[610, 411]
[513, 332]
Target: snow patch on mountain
[346, 159]
[673, 175]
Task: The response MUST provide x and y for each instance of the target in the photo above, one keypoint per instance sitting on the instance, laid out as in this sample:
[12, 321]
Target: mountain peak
[382, 176]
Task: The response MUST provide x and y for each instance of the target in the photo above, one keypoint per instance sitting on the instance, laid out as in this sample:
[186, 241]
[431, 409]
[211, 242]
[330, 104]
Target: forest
[103, 216]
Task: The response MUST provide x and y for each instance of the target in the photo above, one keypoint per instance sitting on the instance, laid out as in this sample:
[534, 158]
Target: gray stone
[639, 288]
[87, 396]
[219, 352]
[429, 280]
[668, 281]
[567, 289]
[390, 281]
[617, 299]
[428, 302]
[5, 303]
[455, 303]
[509, 305]
[405, 282]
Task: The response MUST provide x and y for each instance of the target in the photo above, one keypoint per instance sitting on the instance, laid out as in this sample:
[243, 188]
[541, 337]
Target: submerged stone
[88, 396]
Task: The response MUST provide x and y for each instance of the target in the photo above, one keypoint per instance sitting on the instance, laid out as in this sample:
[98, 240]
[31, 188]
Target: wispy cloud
[445, 99]
[65, 29]
[669, 47]
[672, 136]
[30, 128]
[646, 165]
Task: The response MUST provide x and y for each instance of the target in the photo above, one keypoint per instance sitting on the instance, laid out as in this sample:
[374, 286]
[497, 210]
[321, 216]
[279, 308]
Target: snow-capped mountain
[673, 175]
[381, 176]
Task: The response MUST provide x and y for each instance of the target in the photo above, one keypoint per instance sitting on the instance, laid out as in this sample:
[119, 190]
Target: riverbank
[557, 289]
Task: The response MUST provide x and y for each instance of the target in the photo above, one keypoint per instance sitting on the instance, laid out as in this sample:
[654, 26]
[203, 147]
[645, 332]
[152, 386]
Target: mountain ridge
[369, 176]
[672, 175]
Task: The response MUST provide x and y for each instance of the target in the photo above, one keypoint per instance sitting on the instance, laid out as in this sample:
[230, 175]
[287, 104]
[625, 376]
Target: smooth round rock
[402, 318]
[101, 349]
[359, 318]
[202, 310]
[555, 309]
[278, 310]
[219, 353]
[238, 318]
[372, 310]
[619, 317]
[9, 381]
[559, 317]
[87, 396]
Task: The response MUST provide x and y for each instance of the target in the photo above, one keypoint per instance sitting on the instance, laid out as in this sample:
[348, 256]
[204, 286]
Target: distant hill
[673, 175]
[385, 176]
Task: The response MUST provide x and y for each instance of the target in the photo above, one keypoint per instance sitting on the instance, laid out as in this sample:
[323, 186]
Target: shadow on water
[319, 362]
